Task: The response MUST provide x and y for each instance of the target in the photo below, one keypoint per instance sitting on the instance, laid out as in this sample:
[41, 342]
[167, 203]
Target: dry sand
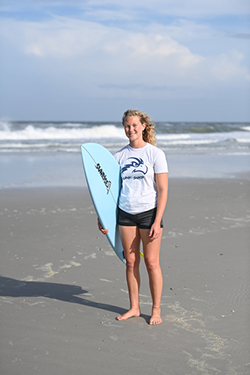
[62, 286]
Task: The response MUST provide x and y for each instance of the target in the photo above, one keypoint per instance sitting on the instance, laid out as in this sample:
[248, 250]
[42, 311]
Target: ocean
[38, 154]
[65, 137]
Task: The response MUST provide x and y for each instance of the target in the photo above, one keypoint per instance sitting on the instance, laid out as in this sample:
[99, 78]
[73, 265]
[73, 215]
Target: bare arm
[162, 186]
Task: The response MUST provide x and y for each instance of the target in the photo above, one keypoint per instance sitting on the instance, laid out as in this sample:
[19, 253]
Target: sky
[90, 60]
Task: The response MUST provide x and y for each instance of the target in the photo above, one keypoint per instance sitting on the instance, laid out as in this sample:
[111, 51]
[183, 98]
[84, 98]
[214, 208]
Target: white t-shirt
[138, 167]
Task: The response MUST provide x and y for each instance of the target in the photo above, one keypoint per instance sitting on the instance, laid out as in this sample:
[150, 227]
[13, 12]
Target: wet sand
[62, 286]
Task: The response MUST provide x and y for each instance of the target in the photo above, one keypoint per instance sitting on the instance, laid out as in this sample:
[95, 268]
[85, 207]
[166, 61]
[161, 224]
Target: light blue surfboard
[104, 182]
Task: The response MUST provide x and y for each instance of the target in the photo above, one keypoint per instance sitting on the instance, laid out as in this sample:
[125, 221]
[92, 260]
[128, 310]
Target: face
[133, 128]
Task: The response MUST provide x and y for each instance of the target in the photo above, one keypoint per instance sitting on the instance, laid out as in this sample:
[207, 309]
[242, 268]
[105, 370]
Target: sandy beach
[70, 74]
[62, 286]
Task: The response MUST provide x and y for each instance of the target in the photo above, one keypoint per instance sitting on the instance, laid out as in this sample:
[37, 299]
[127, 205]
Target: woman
[142, 203]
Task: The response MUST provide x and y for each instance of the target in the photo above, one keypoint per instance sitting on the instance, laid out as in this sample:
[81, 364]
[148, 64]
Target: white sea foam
[203, 139]
[67, 137]
[52, 133]
[246, 128]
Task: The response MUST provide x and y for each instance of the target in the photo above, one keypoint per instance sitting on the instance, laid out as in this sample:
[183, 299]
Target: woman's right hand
[104, 231]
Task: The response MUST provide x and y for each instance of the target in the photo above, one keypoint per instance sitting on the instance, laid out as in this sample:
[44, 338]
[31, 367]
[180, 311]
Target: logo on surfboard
[106, 182]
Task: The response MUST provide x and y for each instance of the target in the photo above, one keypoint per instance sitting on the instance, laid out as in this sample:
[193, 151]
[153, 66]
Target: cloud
[106, 56]
[241, 35]
[104, 10]
[62, 38]
[228, 67]
[180, 8]
[150, 49]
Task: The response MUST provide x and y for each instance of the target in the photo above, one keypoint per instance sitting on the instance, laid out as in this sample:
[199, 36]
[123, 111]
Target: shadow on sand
[61, 292]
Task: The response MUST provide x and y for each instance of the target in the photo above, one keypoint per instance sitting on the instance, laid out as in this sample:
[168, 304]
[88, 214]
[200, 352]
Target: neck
[137, 144]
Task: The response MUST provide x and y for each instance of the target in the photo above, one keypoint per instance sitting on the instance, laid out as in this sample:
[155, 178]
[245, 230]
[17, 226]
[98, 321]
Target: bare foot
[156, 316]
[129, 314]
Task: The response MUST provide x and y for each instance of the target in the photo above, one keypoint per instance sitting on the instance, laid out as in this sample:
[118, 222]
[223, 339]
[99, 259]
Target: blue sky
[178, 60]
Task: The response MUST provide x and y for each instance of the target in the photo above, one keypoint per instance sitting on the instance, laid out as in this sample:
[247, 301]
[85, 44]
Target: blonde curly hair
[149, 134]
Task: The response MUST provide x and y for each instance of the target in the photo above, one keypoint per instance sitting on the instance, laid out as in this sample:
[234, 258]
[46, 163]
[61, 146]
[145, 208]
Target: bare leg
[131, 244]
[151, 250]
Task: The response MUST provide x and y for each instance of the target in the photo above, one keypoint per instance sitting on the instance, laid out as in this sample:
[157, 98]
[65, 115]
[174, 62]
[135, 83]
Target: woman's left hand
[155, 231]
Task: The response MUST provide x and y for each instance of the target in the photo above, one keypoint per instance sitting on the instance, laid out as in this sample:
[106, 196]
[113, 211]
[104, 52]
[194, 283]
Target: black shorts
[143, 220]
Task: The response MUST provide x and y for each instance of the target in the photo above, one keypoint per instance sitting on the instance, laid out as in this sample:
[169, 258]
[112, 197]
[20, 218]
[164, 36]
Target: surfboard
[104, 183]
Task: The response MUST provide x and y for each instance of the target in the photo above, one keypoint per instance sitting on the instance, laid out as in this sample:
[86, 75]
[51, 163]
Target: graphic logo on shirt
[135, 167]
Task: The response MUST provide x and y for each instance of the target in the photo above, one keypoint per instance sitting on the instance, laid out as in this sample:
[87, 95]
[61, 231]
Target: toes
[154, 322]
